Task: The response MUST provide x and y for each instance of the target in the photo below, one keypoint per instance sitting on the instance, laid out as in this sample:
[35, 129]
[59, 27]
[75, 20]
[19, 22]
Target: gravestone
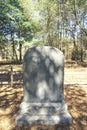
[43, 101]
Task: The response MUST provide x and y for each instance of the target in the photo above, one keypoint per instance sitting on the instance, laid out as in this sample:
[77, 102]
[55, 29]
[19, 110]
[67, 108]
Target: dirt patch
[75, 97]
[10, 99]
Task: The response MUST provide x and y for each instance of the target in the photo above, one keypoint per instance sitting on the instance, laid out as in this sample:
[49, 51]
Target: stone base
[45, 120]
[43, 113]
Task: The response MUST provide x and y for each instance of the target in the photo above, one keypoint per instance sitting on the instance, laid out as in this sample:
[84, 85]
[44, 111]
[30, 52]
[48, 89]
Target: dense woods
[59, 23]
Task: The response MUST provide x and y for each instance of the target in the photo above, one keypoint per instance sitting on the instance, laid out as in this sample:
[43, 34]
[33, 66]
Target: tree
[15, 24]
[78, 11]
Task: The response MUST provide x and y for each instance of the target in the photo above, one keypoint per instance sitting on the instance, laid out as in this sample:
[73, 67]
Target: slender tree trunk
[81, 54]
[13, 46]
[20, 48]
[16, 56]
[81, 48]
[20, 52]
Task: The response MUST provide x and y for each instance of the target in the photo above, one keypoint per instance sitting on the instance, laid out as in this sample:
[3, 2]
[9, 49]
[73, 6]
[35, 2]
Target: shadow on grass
[10, 99]
[76, 98]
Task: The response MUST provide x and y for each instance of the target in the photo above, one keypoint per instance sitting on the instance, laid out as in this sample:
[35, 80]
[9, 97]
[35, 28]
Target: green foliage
[76, 54]
[35, 42]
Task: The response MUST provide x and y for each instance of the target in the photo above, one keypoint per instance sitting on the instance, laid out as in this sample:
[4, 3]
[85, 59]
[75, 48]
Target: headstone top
[44, 74]
[44, 52]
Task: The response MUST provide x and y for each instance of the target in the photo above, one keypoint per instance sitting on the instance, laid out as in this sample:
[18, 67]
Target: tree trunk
[20, 52]
[13, 46]
[81, 49]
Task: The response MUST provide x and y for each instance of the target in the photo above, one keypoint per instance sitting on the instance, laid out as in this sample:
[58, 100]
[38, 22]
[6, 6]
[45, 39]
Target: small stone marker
[43, 101]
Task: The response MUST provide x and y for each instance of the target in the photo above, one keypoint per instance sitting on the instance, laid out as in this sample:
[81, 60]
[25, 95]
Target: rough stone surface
[43, 101]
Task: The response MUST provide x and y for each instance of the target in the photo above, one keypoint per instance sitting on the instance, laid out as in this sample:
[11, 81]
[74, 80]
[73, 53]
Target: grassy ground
[75, 97]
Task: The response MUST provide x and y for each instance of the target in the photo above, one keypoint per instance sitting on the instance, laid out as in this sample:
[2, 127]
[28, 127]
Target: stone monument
[43, 101]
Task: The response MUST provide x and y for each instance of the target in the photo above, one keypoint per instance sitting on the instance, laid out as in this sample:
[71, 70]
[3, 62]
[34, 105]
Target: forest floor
[75, 97]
